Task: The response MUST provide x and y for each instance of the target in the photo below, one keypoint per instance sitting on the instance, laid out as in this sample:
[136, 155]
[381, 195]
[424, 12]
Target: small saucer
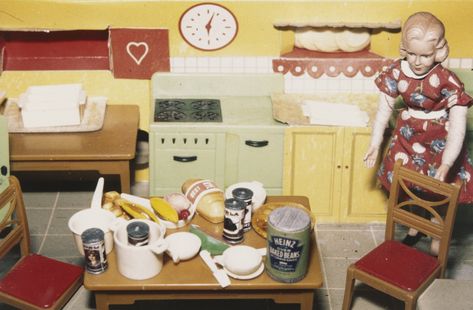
[248, 276]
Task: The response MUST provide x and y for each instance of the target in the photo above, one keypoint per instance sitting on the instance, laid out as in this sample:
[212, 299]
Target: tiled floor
[340, 245]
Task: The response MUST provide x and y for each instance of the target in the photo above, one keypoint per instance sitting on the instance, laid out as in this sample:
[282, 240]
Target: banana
[164, 209]
[137, 211]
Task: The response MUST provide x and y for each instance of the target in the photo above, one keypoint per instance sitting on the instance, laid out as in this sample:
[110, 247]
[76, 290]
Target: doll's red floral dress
[419, 137]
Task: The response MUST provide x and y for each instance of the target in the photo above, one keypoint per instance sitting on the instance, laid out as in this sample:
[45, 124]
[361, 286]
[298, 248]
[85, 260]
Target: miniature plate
[259, 221]
[248, 276]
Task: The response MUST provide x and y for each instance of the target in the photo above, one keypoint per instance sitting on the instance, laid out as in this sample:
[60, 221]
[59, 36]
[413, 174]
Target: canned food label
[95, 257]
[233, 225]
[285, 253]
[199, 189]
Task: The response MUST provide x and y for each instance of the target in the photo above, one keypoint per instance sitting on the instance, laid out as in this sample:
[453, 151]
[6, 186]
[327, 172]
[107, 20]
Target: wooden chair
[35, 281]
[394, 268]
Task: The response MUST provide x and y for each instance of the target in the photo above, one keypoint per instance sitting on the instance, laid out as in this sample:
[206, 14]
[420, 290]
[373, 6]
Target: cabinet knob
[252, 143]
[346, 167]
[339, 166]
[184, 159]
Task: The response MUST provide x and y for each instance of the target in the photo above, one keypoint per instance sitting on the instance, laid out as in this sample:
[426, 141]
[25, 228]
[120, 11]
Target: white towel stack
[52, 105]
[334, 114]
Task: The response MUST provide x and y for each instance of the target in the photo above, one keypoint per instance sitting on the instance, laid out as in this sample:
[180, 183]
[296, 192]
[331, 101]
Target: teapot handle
[159, 246]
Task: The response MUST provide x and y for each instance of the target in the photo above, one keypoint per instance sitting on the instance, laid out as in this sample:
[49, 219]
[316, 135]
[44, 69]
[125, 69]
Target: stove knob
[4, 170]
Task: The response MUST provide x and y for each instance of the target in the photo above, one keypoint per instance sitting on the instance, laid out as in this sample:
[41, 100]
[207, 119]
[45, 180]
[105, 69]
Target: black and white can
[233, 220]
[138, 233]
[94, 250]
[246, 195]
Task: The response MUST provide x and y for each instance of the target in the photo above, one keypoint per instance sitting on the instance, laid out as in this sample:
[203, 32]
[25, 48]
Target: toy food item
[178, 201]
[164, 209]
[208, 198]
[136, 211]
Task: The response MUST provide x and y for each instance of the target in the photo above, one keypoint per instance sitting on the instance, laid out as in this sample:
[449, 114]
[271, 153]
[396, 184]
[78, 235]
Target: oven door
[181, 156]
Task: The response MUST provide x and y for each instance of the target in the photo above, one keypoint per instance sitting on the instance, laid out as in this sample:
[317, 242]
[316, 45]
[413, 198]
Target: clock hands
[208, 26]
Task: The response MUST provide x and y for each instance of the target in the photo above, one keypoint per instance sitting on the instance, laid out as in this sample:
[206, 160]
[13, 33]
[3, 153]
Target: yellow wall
[257, 36]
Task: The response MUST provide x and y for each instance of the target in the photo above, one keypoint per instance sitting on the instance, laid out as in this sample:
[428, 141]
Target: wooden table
[107, 151]
[192, 279]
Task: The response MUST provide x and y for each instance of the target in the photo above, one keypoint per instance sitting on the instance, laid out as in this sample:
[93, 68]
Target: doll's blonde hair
[424, 25]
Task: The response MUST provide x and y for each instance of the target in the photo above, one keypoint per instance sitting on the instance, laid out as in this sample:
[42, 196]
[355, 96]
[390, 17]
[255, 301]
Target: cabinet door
[313, 166]
[363, 200]
[178, 157]
[258, 157]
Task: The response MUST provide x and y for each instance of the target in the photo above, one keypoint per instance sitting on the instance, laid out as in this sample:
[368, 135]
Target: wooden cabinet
[326, 164]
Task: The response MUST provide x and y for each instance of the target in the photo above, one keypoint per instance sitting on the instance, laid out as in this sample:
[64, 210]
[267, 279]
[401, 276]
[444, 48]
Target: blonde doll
[429, 133]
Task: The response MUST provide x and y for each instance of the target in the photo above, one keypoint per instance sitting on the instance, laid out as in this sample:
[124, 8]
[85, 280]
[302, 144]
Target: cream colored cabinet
[326, 164]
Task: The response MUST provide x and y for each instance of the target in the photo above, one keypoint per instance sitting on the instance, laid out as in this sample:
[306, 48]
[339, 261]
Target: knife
[218, 274]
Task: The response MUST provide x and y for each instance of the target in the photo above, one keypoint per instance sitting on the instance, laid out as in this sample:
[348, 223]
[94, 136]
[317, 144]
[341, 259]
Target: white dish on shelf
[259, 193]
[147, 204]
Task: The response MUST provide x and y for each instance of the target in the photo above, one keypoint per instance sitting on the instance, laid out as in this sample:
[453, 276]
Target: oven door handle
[184, 159]
[253, 143]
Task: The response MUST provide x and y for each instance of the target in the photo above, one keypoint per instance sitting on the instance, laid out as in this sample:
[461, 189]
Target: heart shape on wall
[137, 51]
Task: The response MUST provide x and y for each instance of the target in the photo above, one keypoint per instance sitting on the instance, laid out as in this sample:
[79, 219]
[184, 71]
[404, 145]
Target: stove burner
[204, 104]
[187, 110]
[170, 115]
[204, 116]
[171, 105]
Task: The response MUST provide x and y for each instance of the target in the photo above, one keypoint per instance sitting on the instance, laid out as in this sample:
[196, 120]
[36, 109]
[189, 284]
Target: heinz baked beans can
[288, 244]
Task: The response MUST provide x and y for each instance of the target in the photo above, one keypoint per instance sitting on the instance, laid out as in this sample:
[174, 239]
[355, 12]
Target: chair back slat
[412, 192]
[15, 222]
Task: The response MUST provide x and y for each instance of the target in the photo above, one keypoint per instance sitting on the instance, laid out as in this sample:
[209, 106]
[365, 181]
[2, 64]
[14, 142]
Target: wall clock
[208, 26]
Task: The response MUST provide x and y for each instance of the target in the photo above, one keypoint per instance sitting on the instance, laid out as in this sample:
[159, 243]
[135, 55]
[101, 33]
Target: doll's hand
[371, 156]
[442, 172]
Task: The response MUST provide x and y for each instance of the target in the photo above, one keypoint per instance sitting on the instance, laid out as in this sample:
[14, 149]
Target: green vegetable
[209, 243]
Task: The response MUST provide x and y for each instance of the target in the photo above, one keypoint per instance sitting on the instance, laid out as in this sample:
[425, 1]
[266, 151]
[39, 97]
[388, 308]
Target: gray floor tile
[335, 271]
[365, 298]
[342, 243]
[74, 200]
[35, 242]
[59, 224]
[60, 246]
[39, 200]
[38, 220]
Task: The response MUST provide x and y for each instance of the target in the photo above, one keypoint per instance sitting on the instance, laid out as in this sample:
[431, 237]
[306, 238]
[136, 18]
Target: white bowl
[259, 193]
[92, 218]
[241, 260]
[183, 245]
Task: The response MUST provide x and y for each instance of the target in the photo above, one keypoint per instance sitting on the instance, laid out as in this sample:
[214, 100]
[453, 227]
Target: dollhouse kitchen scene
[236, 154]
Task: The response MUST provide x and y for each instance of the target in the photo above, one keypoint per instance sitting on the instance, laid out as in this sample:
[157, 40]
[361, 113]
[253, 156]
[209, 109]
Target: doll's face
[420, 55]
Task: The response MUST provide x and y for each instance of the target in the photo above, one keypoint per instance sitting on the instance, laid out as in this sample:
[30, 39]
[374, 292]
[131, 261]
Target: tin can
[245, 195]
[288, 243]
[94, 250]
[233, 220]
[138, 233]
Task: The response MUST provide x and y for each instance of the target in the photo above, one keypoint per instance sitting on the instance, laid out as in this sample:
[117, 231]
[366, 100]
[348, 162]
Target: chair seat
[398, 264]
[35, 271]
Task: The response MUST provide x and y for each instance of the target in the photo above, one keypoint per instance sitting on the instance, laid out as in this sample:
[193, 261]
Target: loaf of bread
[208, 198]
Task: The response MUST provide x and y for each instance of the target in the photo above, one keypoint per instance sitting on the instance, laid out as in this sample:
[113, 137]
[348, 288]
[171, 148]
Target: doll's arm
[385, 109]
[455, 137]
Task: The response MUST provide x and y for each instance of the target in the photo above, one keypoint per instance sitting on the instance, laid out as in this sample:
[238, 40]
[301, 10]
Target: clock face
[208, 26]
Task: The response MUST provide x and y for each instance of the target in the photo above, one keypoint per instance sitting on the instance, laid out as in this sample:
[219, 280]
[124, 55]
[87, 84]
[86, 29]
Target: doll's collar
[409, 73]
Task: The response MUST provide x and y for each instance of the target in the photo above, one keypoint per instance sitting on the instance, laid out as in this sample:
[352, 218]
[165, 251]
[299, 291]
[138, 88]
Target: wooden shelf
[300, 61]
